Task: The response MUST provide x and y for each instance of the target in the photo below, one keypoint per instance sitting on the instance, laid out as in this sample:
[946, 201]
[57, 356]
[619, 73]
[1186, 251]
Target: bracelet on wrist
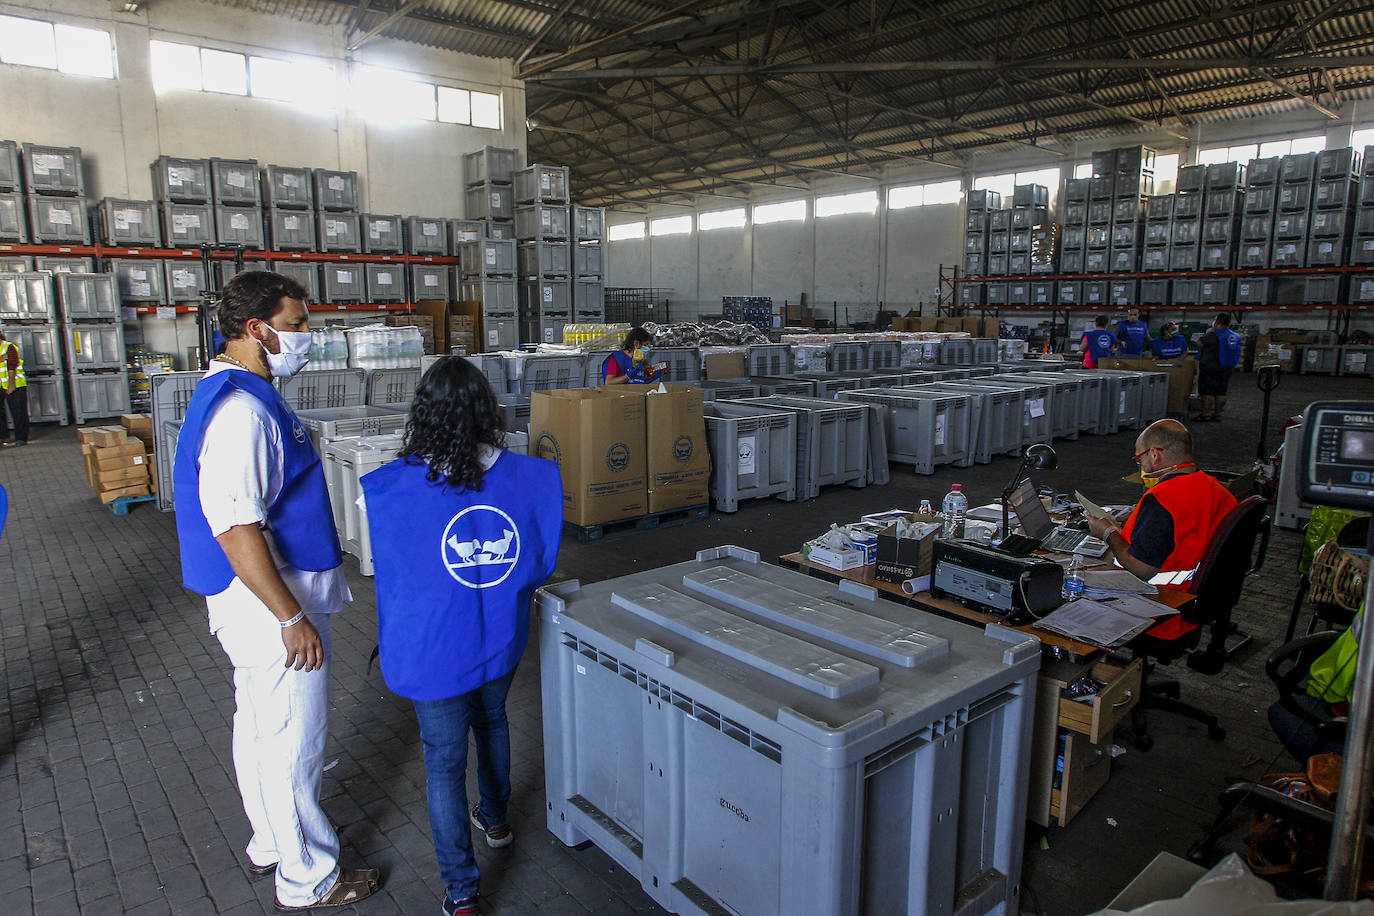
[300, 615]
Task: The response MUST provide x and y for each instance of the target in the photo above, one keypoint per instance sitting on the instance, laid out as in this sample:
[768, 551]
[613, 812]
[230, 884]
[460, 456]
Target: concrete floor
[117, 791]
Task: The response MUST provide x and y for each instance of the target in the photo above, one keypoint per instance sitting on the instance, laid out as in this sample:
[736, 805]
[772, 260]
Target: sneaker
[465, 907]
[498, 835]
[8, 443]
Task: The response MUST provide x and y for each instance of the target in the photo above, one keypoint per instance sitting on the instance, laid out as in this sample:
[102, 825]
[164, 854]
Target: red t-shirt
[612, 366]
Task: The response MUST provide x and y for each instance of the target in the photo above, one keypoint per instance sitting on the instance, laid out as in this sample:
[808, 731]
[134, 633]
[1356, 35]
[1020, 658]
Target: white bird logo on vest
[469, 543]
[481, 553]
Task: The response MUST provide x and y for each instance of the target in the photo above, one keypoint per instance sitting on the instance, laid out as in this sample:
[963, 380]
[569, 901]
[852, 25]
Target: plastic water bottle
[1073, 578]
[955, 508]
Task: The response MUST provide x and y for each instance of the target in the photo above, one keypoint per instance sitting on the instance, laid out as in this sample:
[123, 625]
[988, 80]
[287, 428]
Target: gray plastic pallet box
[541, 184]
[502, 230]
[288, 187]
[488, 257]
[497, 295]
[181, 180]
[383, 233]
[729, 389]
[59, 220]
[99, 394]
[1320, 359]
[336, 190]
[53, 170]
[528, 372]
[589, 223]
[385, 282]
[500, 333]
[93, 345]
[48, 399]
[306, 273]
[393, 389]
[542, 221]
[38, 345]
[544, 259]
[426, 235]
[139, 281]
[11, 172]
[323, 423]
[769, 385]
[1357, 361]
[589, 296]
[464, 230]
[291, 230]
[228, 270]
[14, 218]
[169, 395]
[769, 359]
[344, 282]
[187, 225]
[324, 388]
[184, 279]
[924, 429]
[88, 297]
[239, 226]
[543, 327]
[236, 182]
[545, 296]
[129, 223]
[1037, 424]
[490, 163]
[338, 232]
[996, 417]
[429, 281]
[756, 710]
[490, 201]
[832, 441]
[753, 453]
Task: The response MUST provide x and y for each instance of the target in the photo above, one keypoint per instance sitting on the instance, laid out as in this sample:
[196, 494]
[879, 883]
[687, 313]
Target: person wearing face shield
[630, 364]
[257, 539]
[1171, 525]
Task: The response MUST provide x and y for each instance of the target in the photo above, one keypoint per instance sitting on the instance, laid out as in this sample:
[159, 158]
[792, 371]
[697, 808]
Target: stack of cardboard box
[116, 464]
[462, 332]
[625, 451]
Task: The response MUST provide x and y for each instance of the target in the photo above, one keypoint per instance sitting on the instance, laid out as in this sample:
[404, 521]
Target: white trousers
[280, 722]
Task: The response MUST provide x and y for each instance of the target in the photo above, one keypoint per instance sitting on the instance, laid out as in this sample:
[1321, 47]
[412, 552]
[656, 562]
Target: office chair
[1230, 558]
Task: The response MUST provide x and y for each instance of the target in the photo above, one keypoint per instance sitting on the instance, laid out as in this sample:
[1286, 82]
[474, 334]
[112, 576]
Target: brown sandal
[353, 884]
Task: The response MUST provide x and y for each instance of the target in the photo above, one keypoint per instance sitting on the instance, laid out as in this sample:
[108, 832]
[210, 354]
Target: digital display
[1357, 445]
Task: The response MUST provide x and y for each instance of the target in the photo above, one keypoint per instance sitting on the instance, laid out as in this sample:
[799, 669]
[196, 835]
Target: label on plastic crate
[183, 221]
[548, 294]
[377, 227]
[431, 280]
[746, 454]
[939, 430]
[1355, 362]
[548, 335]
[291, 222]
[290, 180]
[59, 217]
[491, 256]
[1035, 407]
[546, 218]
[141, 288]
[182, 277]
[430, 229]
[239, 221]
[495, 200]
[43, 163]
[493, 338]
[343, 276]
[335, 183]
[138, 273]
[1121, 408]
[166, 313]
[384, 278]
[177, 176]
[333, 227]
[236, 179]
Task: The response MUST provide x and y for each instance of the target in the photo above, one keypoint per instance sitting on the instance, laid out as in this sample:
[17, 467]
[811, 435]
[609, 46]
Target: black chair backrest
[1228, 560]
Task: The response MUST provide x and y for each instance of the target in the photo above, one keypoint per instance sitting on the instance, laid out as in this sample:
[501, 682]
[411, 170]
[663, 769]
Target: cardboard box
[726, 365]
[900, 559]
[928, 323]
[437, 310]
[838, 560]
[102, 436]
[948, 325]
[122, 477]
[109, 496]
[1270, 352]
[678, 462]
[138, 425]
[972, 326]
[597, 437]
[462, 324]
[1181, 371]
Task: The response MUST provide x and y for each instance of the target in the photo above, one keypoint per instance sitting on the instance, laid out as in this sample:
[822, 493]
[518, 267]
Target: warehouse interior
[808, 191]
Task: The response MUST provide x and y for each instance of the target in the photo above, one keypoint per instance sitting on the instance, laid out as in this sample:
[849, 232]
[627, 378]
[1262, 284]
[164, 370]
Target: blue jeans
[444, 730]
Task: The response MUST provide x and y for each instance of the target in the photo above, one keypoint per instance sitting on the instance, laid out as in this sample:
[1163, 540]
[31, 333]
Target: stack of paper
[1105, 623]
[1112, 583]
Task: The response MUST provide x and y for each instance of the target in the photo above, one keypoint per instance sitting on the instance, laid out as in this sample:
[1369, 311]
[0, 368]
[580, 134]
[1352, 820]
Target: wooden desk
[1087, 755]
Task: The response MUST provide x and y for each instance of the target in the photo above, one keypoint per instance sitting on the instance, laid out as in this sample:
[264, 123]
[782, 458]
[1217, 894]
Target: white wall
[894, 257]
[122, 125]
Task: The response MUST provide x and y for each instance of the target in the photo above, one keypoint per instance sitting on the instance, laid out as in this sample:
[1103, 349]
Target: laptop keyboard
[1064, 540]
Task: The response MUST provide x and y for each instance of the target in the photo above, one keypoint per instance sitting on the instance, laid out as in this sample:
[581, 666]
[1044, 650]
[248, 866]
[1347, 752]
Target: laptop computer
[1038, 525]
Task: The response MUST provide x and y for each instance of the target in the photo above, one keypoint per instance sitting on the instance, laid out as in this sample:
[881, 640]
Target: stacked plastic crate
[28, 313]
[14, 218]
[1135, 182]
[1073, 249]
[999, 254]
[235, 185]
[489, 175]
[1223, 200]
[1154, 254]
[1097, 246]
[1335, 194]
[1030, 218]
[1185, 232]
[384, 233]
[1297, 173]
[182, 189]
[489, 267]
[93, 341]
[428, 235]
[288, 192]
[543, 228]
[56, 185]
[976, 224]
[1362, 247]
[589, 265]
[1257, 230]
[337, 231]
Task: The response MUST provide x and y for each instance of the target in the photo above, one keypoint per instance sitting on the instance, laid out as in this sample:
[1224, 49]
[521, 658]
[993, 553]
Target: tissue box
[900, 559]
[838, 560]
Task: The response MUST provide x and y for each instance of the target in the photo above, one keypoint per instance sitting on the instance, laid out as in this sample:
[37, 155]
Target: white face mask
[295, 353]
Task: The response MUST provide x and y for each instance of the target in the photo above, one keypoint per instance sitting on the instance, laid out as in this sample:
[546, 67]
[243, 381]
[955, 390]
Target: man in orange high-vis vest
[1171, 526]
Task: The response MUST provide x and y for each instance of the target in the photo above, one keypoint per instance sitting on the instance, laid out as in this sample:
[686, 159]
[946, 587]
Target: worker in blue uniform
[1218, 354]
[1169, 343]
[1097, 343]
[1132, 334]
[463, 532]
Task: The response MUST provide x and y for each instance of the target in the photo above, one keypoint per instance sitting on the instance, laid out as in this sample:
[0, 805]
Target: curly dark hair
[454, 414]
[636, 336]
[254, 294]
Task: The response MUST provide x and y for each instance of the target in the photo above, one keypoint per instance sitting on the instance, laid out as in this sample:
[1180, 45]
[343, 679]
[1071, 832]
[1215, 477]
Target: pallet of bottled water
[380, 347]
[328, 349]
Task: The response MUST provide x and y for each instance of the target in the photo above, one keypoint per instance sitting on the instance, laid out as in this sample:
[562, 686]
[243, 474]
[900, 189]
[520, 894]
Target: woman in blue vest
[1218, 354]
[463, 532]
[630, 364]
[1169, 343]
[1096, 344]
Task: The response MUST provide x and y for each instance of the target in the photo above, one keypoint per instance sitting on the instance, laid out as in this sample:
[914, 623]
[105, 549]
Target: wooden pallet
[121, 505]
[627, 526]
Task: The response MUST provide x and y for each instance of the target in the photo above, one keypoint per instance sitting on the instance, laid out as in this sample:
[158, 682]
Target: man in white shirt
[257, 539]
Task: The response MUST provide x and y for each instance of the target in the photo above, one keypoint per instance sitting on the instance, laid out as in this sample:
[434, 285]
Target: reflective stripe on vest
[19, 380]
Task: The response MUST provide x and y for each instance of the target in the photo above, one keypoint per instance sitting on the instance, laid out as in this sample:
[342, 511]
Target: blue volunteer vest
[1100, 342]
[455, 570]
[1168, 349]
[301, 521]
[634, 374]
[1132, 335]
[1228, 355]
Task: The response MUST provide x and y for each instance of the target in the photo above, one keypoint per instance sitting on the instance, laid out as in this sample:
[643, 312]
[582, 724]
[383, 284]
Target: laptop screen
[1030, 511]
